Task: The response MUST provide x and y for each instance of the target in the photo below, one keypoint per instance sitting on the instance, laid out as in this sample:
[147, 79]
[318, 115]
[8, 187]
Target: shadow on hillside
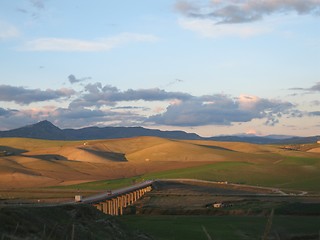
[112, 156]
[198, 189]
[215, 147]
[9, 151]
[47, 157]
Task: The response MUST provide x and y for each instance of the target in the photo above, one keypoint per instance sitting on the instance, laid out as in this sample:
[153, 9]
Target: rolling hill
[37, 163]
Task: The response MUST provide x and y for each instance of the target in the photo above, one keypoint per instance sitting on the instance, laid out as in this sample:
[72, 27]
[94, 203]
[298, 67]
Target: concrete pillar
[135, 196]
[115, 207]
[109, 207]
[112, 207]
[131, 198]
[125, 201]
[120, 205]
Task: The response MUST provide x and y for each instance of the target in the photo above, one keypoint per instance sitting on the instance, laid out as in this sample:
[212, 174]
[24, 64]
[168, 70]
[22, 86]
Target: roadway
[109, 195]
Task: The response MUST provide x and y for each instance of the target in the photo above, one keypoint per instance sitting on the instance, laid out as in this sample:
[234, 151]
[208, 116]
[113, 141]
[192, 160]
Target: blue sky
[208, 66]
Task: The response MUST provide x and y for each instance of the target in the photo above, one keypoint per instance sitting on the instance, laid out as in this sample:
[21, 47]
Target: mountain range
[47, 130]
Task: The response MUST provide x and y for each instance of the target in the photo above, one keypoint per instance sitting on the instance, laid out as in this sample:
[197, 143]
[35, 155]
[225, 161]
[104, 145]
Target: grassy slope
[292, 173]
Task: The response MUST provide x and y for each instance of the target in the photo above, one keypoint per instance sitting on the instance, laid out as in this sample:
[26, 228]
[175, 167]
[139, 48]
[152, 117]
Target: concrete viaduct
[114, 202]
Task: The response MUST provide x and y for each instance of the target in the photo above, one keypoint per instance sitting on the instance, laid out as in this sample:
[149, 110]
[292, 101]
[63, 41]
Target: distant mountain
[46, 130]
[40, 130]
[266, 139]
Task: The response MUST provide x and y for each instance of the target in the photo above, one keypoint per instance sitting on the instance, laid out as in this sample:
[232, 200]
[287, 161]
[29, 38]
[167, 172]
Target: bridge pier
[114, 205]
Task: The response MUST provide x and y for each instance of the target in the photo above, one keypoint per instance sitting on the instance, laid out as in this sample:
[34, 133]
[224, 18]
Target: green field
[294, 173]
[224, 227]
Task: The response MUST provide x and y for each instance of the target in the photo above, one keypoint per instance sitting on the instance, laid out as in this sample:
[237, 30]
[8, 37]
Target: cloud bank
[222, 110]
[313, 89]
[98, 95]
[98, 104]
[23, 95]
[234, 11]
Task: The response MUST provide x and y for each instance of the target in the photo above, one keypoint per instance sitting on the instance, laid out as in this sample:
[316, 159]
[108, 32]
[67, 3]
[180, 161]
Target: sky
[211, 67]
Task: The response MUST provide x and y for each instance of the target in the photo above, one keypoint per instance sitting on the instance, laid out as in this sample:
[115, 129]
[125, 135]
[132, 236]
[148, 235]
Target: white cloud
[207, 28]
[8, 31]
[76, 45]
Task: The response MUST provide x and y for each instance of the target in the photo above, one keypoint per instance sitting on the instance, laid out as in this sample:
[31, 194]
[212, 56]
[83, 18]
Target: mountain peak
[44, 123]
[41, 130]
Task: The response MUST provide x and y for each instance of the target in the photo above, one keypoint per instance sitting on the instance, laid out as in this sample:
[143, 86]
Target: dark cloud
[21, 10]
[35, 8]
[98, 95]
[221, 110]
[316, 113]
[233, 11]
[38, 4]
[315, 88]
[6, 112]
[72, 79]
[23, 95]
[312, 89]
[80, 117]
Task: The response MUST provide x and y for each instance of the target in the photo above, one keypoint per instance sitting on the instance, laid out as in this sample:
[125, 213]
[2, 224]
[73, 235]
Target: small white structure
[218, 205]
[77, 198]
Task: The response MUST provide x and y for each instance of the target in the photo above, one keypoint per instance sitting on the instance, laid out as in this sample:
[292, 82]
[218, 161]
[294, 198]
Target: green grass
[295, 173]
[102, 185]
[293, 160]
[221, 227]
[212, 172]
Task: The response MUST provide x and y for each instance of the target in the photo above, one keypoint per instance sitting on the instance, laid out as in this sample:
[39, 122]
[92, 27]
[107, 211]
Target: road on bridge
[109, 195]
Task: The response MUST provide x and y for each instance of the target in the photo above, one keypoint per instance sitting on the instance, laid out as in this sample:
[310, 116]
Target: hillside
[37, 163]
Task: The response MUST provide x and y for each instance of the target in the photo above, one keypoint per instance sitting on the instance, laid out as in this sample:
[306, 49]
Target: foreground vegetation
[64, 222]
[225, 227]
